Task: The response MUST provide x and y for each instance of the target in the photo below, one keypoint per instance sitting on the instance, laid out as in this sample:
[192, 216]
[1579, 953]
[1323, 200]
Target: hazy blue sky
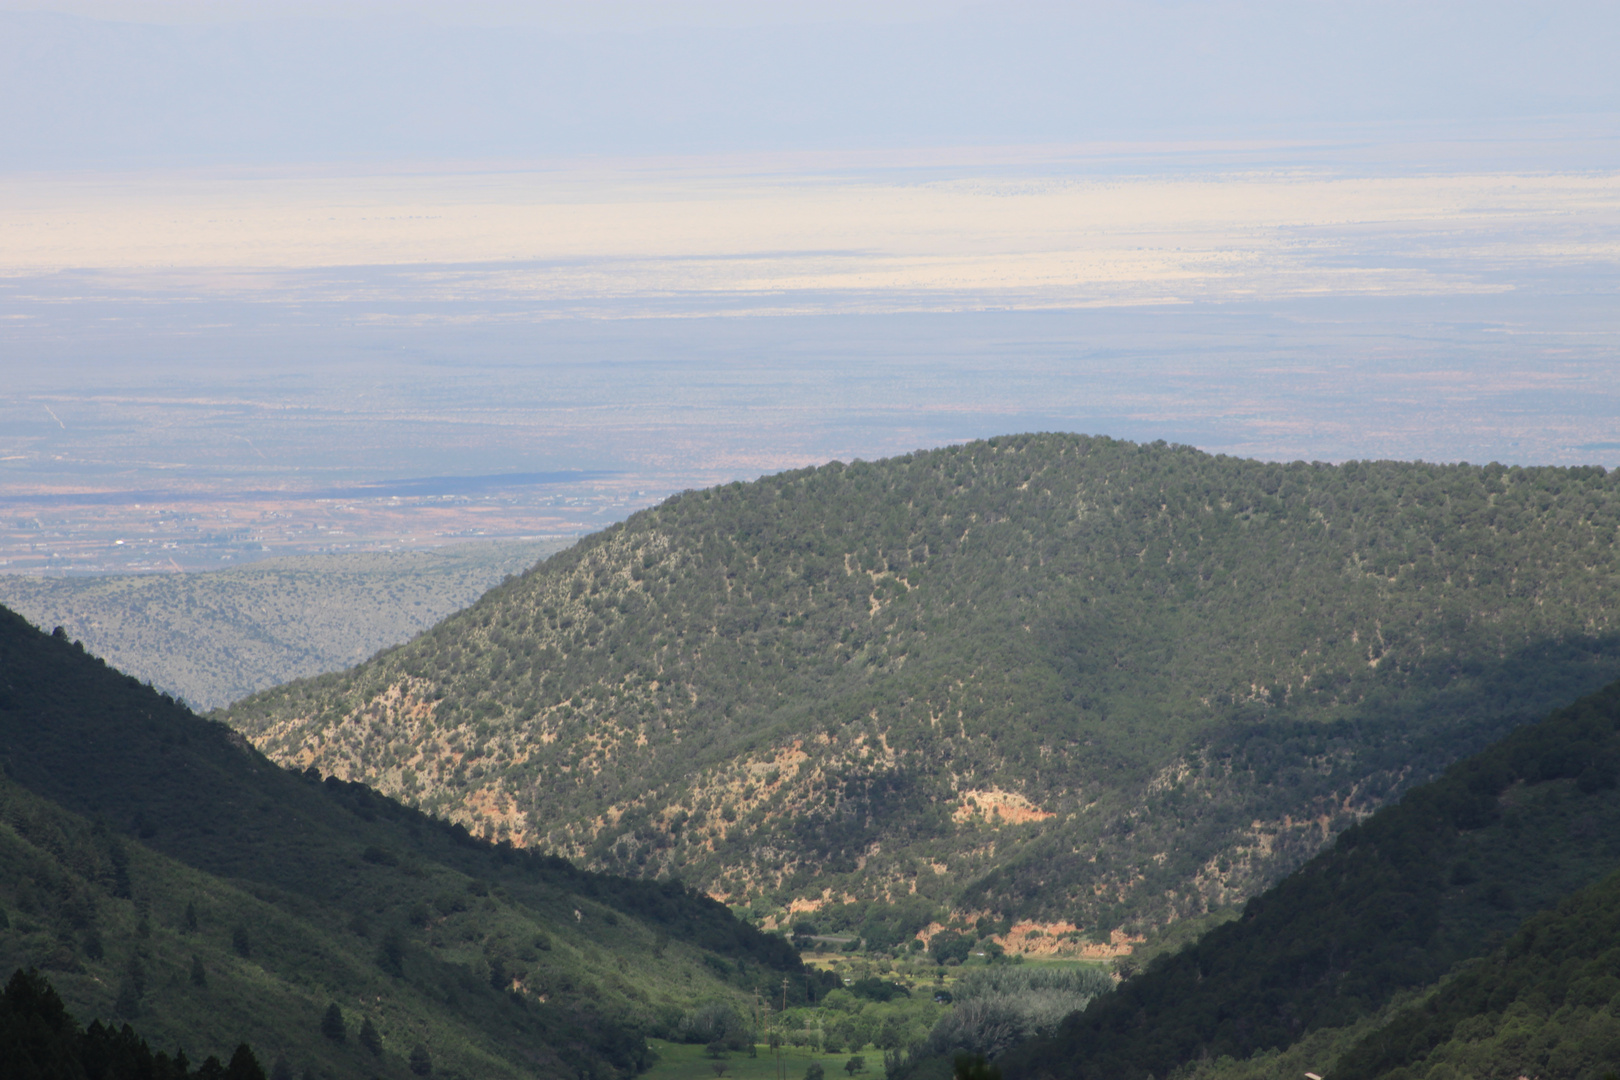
[588, 15]
[372, 81]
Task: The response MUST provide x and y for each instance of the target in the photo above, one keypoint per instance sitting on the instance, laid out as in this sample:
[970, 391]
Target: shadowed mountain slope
[1054, 677]
[1546, 1004]
[1442, 877]
[161, 870]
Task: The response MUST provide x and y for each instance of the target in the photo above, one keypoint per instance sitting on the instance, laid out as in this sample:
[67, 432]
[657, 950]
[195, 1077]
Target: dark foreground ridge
[165, 873]
[1545, 1004]
[1446, 875]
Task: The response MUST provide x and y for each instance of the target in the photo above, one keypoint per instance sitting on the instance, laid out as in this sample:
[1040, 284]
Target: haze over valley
[234, 329]
[387, 388]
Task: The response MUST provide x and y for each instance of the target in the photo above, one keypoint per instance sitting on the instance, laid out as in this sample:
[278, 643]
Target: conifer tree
[371, 1038]
[244, 1066]
[332, 1023]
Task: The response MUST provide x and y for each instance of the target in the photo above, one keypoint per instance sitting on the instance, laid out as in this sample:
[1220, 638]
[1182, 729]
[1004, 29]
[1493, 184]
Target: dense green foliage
[1546, 1004]
[213, 637]
[1442, 876]
[850, 1022]
[165, 873]
[40, 1040]
[1051, 676]
[1537, 1006]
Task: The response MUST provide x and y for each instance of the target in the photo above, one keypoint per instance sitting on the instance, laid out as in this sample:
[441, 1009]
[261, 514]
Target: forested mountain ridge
[1397, 902]
[1046, 676]
[163, 871]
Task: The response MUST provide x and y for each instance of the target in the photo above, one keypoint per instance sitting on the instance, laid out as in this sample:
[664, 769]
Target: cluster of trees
[335, 1029]
[876, 926]
[954, 944]
[775, 688]
[871, 1013]
[40, 1040]
[996, 1008]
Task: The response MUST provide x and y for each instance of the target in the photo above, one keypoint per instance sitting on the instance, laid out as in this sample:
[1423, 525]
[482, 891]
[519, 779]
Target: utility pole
[762, 1026]
[781, 1070]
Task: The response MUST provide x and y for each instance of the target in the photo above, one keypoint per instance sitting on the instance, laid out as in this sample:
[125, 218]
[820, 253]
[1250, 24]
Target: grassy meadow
[684, 1061]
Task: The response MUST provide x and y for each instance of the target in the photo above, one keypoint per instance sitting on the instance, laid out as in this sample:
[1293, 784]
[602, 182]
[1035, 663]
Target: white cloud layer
[728, 238]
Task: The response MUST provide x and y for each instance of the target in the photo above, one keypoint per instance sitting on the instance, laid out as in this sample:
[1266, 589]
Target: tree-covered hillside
[162, 871]
[1443, 877]
[1049, 677]
[1545, 1004]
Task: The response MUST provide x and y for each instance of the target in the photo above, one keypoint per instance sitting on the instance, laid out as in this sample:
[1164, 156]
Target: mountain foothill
[1087, 686]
